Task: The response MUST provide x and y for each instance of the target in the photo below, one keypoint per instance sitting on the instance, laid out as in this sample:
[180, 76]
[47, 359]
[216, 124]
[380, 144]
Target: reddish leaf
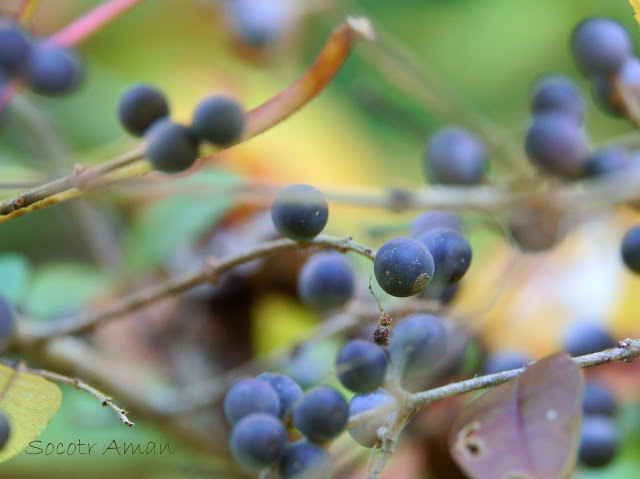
[526, 428]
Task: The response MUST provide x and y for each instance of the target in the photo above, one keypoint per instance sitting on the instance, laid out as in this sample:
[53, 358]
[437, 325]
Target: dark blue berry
[7, 320]
[248, 396]
[14, 48]
[600, 45]
[558, 94]
[586, 337]
[300, 212]
[361, 366]
[260, 23]
[597, 399]
[5, 430]
[451, 253]
[52, 70]
[170, 147]
[366, 434]
[287, 389]
[435, 219]
[609, 160]
[599, 441]
[417, 346]
[303, 460]
[258, 440]
[505, 361]
[556, 144]
[140, 106]
[607, 88]
[326, 281]
[630, 249]
[455, 156]
[321, 414]
[219, 119]
[403, 267]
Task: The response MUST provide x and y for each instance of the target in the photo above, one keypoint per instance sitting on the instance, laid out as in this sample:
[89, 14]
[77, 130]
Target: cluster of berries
[46, 68]
[170, 146]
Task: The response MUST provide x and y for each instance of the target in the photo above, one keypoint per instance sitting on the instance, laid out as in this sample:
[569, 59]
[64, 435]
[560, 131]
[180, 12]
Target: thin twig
[209, 272]
[626, 350]
[277, 109]
[82, 386]
[25, 11]
[91, 22]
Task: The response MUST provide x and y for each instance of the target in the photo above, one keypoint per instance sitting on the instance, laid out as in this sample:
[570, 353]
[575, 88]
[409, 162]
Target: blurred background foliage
[364, 132]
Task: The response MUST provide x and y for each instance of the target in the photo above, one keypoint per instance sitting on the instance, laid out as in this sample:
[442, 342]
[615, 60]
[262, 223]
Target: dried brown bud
[385, 320]
[381, 336]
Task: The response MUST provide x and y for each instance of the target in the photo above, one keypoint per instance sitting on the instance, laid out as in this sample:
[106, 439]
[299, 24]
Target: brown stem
[209, 272]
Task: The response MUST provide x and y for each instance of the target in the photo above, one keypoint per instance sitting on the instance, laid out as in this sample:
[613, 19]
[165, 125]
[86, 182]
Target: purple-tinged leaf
[526, 428]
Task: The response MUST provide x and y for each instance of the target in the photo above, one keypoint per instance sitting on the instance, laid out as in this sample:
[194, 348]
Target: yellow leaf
[636, 7]
[30, 403]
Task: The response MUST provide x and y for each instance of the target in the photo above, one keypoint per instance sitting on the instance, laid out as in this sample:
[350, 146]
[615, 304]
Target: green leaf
[14, 277]
[59, 288]
[165, 225]
[30, 403]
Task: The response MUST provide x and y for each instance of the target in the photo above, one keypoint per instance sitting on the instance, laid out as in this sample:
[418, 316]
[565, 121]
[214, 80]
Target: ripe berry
[248, 396]
[610, 160]
[140, 106]
[52, 70]
[366, 434]
[631, 249]
[558, 94]
[451, 253]
[435, 219]
[599, 441]
[303, 460]
[287, 389]
[219, 119]
[505, 361]
[258, 440]
[607, 89]
[5, 430]
[7, 320]
[361, 366]
[417, 346]
[260, 23]
[321, 414]
[14, 48]
[403, 267]
[300, 212]
[597, 399]
[600, 45]
[586, 337]
[170, 147]
[556, 144]
[455, 156]
[326, 281]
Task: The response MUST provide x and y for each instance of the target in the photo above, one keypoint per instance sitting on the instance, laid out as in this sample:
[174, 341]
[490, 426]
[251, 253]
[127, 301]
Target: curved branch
[330, 59]
[209, 272]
